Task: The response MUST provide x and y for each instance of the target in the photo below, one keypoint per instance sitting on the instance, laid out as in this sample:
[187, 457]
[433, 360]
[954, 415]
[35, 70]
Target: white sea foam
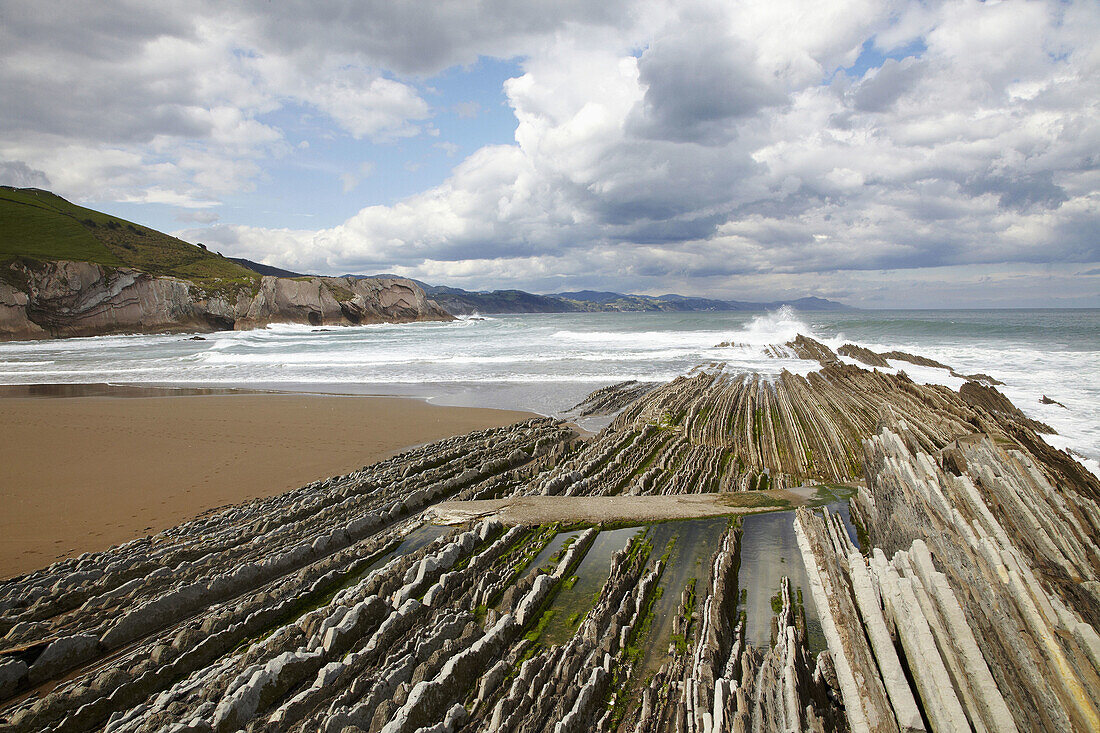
[773, 327]
[1035, 354]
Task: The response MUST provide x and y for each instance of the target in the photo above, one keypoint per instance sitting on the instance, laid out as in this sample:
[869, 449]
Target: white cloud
[19, 174]
[920, 163]
[709, 142]
[197, 216]
[177, 94]
[467, 110]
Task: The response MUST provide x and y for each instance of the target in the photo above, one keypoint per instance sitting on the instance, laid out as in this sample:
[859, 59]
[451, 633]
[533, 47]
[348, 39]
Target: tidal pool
[769, 551]
[578, 598]
[552, 547]
[694, 543]
[413, 541]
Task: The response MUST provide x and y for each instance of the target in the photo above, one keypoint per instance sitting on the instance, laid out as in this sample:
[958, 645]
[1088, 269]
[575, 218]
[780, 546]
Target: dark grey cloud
[1019, 191]
[19, 174]
[699, 84]
[658, 184]
[75, 70]
[424, 38]
[131, 117]
[103, 31]
[891, 81]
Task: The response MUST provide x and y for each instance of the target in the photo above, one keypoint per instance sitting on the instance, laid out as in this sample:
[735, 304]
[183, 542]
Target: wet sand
[82, 473]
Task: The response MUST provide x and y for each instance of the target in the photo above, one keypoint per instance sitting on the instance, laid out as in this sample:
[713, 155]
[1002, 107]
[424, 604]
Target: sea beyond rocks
[945, 576]
[63, 298]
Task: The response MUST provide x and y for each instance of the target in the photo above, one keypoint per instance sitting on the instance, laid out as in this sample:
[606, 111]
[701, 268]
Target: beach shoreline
[86, 467]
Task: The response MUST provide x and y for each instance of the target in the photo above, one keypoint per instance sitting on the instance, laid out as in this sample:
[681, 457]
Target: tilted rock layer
[62, 298]
[972, 603]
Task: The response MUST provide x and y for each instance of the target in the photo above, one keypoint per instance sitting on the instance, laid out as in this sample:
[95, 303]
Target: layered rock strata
[716, 431]
[62, 298]
[139, 618]
[975, 604]
[611, 400]
[972, 602]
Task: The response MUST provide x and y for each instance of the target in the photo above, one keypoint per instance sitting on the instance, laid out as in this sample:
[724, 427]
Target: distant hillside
[70, 271]
[590, 296]
[265, 269]
[464, 302]
[672, 302]
[42, 226]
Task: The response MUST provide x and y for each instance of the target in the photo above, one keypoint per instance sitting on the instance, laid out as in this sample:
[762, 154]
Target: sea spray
[546, 362]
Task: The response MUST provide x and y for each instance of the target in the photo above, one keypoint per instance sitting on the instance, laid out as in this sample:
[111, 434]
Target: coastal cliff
[66, 270]
[65, 298]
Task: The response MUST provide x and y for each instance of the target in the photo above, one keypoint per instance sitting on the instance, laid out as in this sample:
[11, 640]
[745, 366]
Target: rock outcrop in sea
[943, 575]
[62, 298]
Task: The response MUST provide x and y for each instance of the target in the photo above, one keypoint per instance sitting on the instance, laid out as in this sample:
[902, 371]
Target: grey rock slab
[12, 673]
[61, 655]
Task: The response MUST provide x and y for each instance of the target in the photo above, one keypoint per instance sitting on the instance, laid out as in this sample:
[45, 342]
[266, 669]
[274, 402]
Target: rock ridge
[965, 597]
[64, 298]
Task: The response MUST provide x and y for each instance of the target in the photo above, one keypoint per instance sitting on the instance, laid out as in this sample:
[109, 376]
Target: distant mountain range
[488, 302]
[465, 302]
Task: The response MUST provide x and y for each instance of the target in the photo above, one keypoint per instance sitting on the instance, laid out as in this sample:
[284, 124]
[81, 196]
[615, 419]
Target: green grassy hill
[39, 225]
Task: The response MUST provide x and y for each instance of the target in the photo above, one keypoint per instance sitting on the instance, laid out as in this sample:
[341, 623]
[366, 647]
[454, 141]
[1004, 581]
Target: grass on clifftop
[39, 225]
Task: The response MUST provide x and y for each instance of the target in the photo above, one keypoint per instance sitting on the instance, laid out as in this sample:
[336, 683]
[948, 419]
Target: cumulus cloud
[698, 83]
[717, 150]
[704, 142]
[882, 87]
[178, 93]
[411, 38]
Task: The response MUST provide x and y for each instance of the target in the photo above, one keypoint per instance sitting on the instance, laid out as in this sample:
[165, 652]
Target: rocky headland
[943, 575]
[65, 298]
[66, 270]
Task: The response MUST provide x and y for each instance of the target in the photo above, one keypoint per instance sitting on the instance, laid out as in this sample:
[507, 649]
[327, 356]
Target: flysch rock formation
[808, 348]
[977, 594]
[970, 601]
[611, 400]
[62, 298]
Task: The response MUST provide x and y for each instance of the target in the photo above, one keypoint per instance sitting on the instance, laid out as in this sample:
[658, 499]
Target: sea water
[547, 362]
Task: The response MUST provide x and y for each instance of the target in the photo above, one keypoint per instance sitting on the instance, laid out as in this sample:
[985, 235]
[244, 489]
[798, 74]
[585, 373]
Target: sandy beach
[82, 473]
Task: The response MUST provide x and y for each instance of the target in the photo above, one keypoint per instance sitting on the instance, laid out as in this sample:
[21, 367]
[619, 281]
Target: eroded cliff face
[62, 298]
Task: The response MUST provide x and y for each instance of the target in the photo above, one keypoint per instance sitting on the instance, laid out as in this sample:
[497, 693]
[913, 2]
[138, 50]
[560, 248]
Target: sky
[883, 153]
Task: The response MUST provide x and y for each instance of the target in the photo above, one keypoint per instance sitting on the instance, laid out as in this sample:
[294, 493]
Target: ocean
[547, 362]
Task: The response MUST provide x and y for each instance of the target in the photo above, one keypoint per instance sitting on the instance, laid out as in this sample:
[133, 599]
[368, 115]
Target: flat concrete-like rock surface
[545, 509]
